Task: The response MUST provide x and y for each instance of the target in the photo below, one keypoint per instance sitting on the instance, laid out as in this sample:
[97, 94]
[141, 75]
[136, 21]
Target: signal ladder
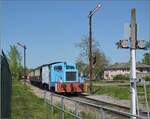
[142, 98]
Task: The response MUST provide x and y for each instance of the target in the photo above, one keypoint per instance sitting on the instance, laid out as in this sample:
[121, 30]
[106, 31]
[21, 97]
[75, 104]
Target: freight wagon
[59, 77]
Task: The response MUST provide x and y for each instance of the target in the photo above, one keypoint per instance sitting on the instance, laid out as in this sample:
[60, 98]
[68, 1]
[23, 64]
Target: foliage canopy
[146, 58]
[99, 58]
[14, 59]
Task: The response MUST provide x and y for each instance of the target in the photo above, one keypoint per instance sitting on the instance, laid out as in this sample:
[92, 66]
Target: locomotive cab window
[58, 68]
[70, 67]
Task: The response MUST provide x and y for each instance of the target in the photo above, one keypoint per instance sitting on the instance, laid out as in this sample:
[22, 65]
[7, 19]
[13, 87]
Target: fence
[80, 108]
[6, 87]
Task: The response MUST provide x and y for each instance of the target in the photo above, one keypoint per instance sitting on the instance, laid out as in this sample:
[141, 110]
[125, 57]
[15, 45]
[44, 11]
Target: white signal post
[133, 82]
[134, 44]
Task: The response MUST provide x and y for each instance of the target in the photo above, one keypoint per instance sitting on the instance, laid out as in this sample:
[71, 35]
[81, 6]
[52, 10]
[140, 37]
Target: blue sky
[51, 28]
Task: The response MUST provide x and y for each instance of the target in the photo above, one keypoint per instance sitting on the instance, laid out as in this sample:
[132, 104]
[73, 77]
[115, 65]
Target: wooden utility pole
[91, 13]
[24, 47]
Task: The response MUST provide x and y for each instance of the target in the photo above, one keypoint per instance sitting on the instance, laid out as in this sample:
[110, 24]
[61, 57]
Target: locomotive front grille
[70, 76]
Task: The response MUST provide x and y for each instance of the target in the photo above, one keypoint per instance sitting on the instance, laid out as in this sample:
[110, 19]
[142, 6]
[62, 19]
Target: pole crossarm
[92, 12]
[23, 46]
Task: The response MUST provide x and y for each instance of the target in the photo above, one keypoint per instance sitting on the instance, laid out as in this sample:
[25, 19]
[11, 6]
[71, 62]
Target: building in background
[142, 70]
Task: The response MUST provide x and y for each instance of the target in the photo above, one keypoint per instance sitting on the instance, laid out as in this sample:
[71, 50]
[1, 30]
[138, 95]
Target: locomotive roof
[47, 65]
[39, 67]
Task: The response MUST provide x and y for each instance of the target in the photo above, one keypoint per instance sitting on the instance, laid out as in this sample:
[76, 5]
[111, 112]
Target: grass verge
[120, 92]
[26, 105]
[114, 91]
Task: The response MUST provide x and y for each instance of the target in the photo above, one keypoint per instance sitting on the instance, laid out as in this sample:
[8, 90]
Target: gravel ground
[56, 100]
[68, 103]
[109, 99]
[71, 105]
[40, 93]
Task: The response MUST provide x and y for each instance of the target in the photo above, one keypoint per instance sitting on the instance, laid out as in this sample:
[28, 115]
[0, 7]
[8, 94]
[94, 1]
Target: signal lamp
[122, 44]
[141, 44]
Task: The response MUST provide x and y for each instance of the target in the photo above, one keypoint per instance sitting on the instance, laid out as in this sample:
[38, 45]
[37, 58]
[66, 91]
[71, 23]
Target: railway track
[107, 104]
[102, 103]
[83, 98]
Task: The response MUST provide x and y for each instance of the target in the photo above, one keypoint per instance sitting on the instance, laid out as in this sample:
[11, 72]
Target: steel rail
[104, 102]
[122, 113]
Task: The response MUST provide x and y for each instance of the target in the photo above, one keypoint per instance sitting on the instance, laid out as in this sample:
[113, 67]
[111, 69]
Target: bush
[121, 77]
[147, 78]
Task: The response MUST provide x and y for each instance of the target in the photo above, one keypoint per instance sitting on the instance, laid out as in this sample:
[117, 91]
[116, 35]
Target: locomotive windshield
[70, 76]
[70, 67]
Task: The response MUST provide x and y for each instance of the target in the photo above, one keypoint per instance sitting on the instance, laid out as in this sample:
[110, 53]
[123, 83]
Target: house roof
[126, 66]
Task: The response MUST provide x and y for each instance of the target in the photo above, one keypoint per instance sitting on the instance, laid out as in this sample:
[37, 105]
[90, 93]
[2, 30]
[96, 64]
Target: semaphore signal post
[134, 44]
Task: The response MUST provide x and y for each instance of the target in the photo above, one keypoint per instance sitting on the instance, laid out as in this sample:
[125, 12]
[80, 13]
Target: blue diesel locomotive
[58, 76]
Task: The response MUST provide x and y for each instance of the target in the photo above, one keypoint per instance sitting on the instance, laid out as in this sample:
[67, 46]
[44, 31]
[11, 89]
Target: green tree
[81, 66]
[100, 64]
[146, 59]
[100, 59]
[84, 48]
[14, 59]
